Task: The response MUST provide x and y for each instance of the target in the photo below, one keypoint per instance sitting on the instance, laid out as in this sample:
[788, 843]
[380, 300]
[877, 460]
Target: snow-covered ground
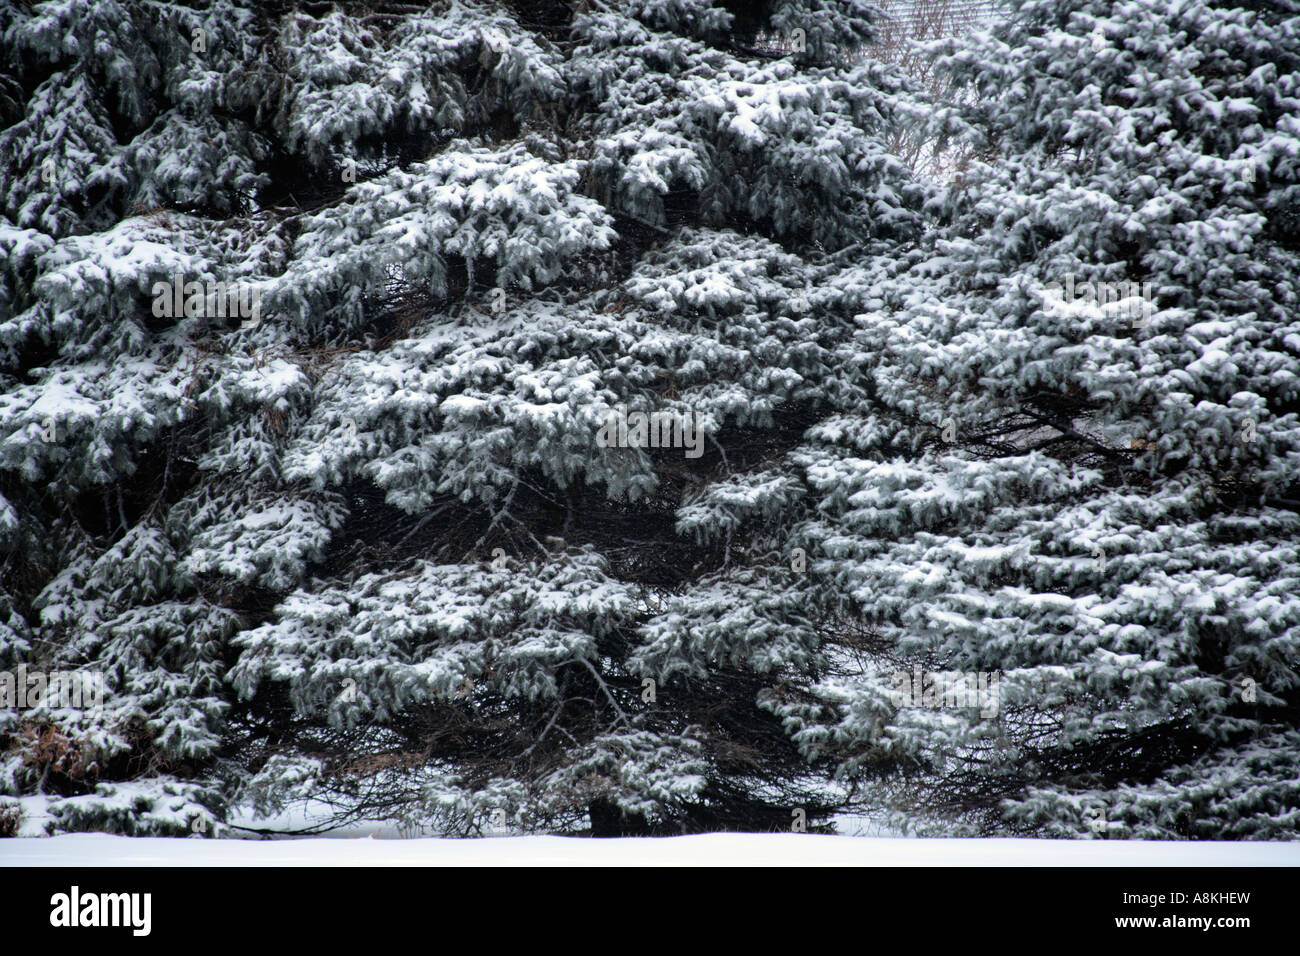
[718, 849]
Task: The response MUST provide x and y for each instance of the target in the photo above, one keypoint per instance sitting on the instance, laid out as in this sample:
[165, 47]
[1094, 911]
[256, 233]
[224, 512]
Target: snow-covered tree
[580, 418]
[364, 542]
[1082, 469]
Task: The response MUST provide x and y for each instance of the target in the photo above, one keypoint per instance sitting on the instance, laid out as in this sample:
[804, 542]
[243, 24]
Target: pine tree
[1097, 499]
[364, 538]
[365, 545]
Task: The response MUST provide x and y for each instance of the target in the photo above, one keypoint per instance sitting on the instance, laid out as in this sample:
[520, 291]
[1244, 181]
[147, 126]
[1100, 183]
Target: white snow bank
[718, 849]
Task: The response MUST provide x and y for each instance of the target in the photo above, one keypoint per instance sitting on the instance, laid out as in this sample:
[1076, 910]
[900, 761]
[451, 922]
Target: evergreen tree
[387, 534]
[367, 545]
[1096, 498]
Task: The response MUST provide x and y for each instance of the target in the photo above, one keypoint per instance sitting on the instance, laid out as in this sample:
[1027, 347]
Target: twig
[605, 688]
